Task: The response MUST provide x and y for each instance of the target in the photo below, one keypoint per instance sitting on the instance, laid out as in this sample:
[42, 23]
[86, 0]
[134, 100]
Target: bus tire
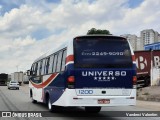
[50, 106]
[33, 101]
[31, 95]
[93, 109]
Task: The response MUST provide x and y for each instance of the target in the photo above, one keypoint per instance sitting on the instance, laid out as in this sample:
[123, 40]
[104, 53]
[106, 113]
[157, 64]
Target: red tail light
[133, 58]
[134, 80]
[71, 82]
[71, 79]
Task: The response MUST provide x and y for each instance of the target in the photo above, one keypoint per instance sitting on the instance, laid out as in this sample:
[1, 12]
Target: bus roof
[98, 35]
[56, 49]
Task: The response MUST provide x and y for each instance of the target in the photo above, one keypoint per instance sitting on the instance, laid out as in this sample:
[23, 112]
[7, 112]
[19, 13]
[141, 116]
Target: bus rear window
[102, 53]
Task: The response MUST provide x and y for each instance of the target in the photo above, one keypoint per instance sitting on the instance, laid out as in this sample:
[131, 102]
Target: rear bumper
[70, 98]
[13, 86]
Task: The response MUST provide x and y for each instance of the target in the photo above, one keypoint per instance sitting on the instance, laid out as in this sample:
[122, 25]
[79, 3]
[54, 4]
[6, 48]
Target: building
[153, 46]
[132, 39]
[149, 36]
[158, 37]
[139, 45]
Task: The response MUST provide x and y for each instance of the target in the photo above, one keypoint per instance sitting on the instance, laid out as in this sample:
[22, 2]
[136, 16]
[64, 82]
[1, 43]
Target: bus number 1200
[85, 91]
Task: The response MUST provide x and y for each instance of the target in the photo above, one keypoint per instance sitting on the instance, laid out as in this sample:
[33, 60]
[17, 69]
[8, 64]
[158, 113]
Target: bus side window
[59, 62]
[32, 68]
[43, 67]
[36, 68]
[55, 63]
[51, 64]
[64, 60]
[40, 68]
[47, 64]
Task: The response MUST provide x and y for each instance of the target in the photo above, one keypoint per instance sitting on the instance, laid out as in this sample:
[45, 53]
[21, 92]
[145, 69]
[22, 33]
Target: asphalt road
[18, 100]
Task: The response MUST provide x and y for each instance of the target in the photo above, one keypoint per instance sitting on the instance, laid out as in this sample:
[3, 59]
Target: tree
[98, 31]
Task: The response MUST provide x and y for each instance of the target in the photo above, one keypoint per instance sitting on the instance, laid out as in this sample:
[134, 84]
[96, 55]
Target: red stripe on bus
[70, 58]
[46, 82]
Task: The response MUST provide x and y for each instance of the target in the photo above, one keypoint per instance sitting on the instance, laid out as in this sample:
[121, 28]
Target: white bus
[89, 71]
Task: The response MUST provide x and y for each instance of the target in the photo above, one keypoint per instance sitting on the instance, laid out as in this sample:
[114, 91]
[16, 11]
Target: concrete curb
[149, 98]
[149, 94]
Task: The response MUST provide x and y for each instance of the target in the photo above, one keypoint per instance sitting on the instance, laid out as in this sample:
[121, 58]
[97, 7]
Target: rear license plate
[103, 101]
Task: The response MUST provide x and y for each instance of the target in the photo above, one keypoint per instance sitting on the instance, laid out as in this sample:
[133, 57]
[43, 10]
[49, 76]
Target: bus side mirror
[29, 72]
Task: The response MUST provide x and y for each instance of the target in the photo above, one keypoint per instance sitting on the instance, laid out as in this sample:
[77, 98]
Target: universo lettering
[104, 73]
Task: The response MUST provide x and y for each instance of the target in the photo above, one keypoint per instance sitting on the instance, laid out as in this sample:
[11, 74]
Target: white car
[13, 84]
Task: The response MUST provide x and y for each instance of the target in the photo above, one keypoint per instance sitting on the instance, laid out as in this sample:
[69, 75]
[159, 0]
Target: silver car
[13, 84]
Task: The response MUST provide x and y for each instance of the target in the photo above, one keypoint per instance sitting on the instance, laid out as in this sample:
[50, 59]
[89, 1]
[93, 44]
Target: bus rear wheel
[53, 108]
[50, 106]
[93, 109]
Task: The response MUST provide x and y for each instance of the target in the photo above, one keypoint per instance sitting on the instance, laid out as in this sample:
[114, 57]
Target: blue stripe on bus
[56, 88]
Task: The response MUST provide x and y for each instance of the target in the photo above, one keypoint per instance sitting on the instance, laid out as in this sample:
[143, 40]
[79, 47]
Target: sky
[29, 28]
